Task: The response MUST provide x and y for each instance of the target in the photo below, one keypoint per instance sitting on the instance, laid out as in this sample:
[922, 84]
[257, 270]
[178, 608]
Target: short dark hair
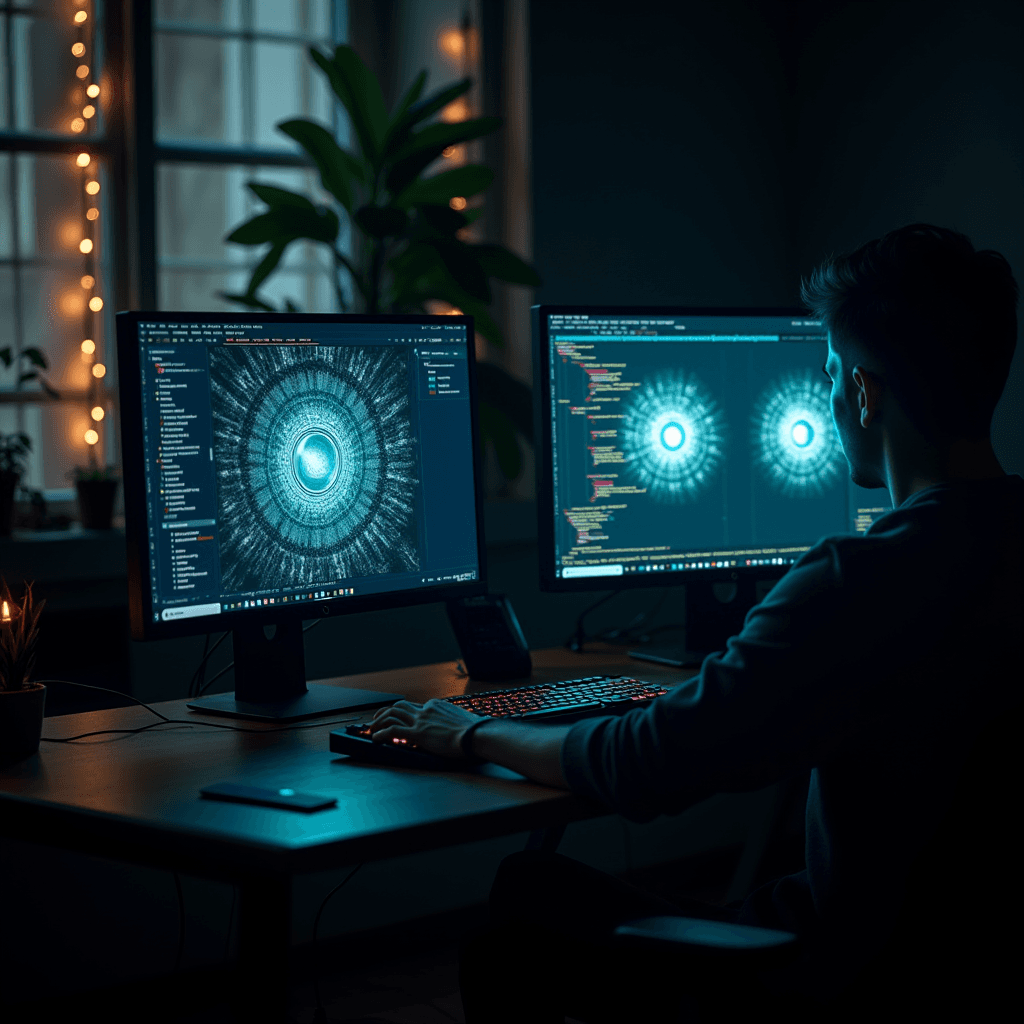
[917, 299]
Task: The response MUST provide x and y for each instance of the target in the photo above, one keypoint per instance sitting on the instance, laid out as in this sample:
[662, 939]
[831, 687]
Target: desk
[135, 798]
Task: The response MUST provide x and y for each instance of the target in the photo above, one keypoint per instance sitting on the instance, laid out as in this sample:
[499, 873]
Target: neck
[910, 468]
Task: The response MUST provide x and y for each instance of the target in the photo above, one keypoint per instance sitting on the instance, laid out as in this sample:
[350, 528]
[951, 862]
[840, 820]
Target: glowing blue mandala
[673, 437]
[794, 441]
[315, 464]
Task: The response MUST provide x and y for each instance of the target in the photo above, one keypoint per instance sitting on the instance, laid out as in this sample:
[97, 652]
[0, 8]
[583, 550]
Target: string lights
[88, 170]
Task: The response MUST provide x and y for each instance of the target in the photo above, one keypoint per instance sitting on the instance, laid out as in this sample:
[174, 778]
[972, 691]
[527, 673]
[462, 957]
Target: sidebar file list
[183, 494]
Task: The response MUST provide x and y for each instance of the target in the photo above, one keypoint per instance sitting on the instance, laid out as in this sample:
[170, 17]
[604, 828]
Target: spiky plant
[19, 635]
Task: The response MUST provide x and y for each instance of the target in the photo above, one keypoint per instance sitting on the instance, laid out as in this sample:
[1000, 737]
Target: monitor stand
[714, 612]
[270, 681]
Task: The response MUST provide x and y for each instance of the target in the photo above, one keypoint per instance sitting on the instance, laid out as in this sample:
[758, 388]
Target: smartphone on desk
[490, 638]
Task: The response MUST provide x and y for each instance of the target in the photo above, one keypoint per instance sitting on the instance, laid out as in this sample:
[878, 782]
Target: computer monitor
[282, 467]
[686, 445]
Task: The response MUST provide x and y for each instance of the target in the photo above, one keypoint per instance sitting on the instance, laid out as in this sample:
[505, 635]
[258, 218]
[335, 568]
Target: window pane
[288, 85]
[48, 94]
[198, 89]
[311, 18]
[224, 13]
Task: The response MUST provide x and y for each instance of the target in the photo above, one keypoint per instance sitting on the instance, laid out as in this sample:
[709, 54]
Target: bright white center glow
[672, 437]
[802, 433]
[314, 463]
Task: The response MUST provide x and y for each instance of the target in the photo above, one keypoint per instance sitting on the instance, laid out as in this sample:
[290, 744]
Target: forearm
[532, 750]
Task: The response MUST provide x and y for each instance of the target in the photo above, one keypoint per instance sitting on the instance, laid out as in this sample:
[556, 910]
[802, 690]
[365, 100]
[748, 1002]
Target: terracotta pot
[8, 485]
[21, 722]
[96, 502]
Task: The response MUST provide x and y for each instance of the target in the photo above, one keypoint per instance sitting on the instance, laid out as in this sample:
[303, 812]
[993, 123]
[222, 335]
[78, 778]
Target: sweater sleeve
[770, 704]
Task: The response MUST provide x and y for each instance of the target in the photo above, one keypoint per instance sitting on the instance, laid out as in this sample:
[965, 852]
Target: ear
[869, 395]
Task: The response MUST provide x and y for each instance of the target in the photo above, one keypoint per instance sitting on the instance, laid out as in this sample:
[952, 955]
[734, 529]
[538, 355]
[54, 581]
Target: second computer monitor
[691, 443]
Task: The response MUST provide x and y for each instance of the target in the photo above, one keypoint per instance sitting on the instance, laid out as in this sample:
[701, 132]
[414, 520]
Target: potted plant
[96, 487]
[21, 701]
[409, 229]
[14, 448]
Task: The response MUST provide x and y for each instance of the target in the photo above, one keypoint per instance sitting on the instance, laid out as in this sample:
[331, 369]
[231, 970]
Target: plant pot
[96, 502]
[8, 486]
[21, 722]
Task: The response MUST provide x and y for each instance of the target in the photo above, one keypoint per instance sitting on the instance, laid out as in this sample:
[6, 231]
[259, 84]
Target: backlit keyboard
[569, 698]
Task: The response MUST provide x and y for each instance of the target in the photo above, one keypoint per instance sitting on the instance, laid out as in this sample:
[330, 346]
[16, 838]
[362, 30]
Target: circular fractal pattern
[673, 437]
[794, 441]
[315, 464]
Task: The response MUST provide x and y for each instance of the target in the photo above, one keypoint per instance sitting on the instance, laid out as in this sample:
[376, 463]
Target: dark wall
[713, 152]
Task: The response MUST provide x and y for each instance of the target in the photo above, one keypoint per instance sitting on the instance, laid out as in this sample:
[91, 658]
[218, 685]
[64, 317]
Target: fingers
[392, 732]
[402, 705]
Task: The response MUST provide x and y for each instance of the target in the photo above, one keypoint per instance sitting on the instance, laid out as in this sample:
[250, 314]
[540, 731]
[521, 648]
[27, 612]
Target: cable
[578, 638]
[200, 673]
[164, 720]
[181, 922]
[321, 1014]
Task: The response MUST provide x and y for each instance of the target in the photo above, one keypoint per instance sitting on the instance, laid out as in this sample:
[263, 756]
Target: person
[878, 663]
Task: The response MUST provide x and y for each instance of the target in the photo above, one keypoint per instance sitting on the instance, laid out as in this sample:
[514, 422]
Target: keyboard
[566, 701]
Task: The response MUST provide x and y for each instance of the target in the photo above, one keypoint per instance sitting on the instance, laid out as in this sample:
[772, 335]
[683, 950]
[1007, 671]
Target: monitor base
[677, 657]
[316, 701]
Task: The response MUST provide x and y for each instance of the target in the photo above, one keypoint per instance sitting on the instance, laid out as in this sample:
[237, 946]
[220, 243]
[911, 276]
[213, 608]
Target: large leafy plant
[407, 228]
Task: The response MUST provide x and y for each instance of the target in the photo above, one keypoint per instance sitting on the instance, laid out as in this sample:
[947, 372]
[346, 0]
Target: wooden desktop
[135, 798]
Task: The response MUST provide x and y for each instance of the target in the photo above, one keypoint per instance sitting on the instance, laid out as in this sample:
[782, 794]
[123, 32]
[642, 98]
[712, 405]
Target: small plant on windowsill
[21, 701]
[96, 487]
[15, 448]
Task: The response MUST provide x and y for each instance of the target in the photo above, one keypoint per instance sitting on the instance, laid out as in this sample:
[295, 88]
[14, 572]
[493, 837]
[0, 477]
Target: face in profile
[860, 445]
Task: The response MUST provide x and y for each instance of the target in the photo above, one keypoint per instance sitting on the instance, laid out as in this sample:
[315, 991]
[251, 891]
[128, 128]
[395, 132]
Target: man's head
[922, 330]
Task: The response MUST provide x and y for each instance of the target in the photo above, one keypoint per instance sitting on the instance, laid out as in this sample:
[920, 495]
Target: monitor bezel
[140, 594]
[549, 582]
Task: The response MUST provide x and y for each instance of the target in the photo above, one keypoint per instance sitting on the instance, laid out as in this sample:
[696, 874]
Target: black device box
[490, 638]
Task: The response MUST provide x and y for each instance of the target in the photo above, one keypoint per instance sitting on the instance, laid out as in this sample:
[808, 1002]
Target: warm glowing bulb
[5, 614]
[92, 213]
[83, 159]
[452, 43]
[88, 346]
[78, 49]
[82, 71]
[91, 437]
[80, 17]
[88, 281]
[97, 413]
[92, 187]
[78, 125]
[93, 91]
[99, 370]
[455, 311]
[457, 202]
[96, 304]
[88, 111]
[85, 245]
[457, 110]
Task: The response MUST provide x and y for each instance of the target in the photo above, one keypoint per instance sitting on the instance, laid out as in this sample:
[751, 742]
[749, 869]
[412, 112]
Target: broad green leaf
[496, 428]
[425, 146]
[441, 220]
[360, 92]
[463, 267]
[499, 262]
[400, 127]
[336, 167]
[267, 265]
[35, 357]
[274, 196]
[283, 224]
[381, 221]
[462, 181]
[500, 390]
[398, 118]
[247, 300]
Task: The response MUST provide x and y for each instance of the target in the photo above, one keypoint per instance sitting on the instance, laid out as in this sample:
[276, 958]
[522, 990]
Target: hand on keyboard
[435, 727]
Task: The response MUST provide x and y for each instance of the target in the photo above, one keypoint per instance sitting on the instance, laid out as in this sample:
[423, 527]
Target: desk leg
[264, 940]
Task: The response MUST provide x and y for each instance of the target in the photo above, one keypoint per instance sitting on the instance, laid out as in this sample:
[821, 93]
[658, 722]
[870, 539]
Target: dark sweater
[875, 662]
